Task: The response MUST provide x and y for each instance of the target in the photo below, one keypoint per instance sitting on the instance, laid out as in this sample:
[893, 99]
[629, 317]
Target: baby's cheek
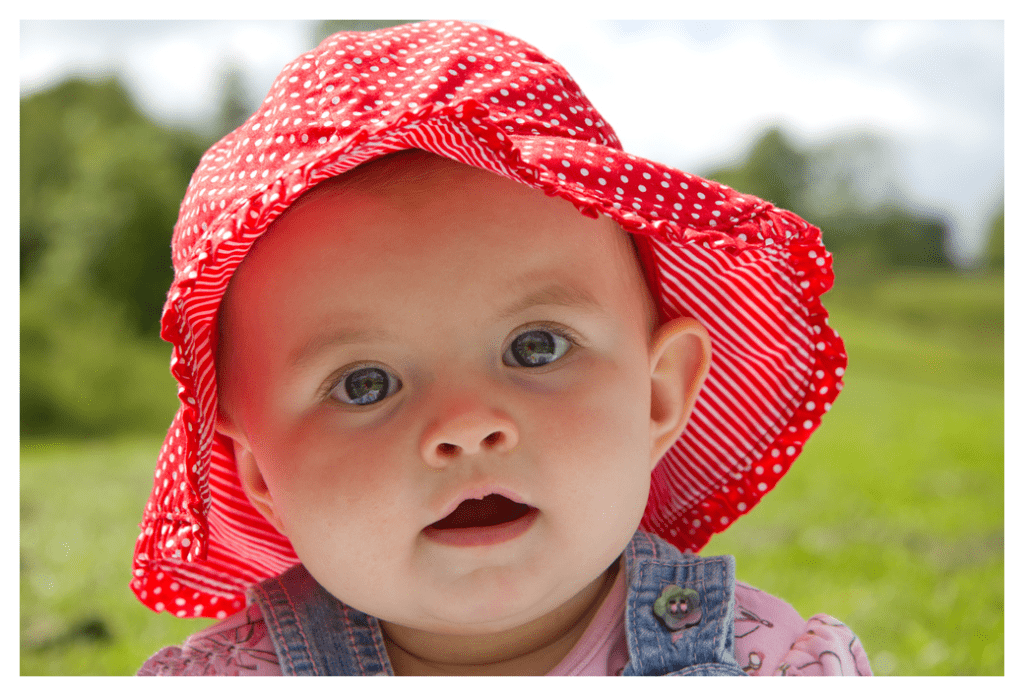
[331, 470]
[619, 396]
[607, 415]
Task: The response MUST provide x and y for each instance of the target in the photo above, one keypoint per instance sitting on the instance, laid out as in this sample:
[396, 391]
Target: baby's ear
[249, 474]
[680, 358]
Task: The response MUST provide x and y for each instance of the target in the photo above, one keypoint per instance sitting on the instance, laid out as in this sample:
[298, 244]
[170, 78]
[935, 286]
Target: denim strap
[314, 633]
[699, 645]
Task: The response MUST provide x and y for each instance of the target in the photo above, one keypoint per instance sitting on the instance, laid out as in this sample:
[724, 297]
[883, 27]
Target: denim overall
[679, 618]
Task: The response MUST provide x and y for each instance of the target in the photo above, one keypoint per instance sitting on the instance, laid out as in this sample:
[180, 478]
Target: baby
[462, 383]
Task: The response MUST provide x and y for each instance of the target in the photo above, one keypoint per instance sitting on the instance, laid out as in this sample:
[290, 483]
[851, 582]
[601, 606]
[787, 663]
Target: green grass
[891, 520]
[80, 508]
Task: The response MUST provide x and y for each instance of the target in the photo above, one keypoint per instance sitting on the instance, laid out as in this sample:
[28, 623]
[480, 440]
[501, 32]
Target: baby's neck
[534, 648]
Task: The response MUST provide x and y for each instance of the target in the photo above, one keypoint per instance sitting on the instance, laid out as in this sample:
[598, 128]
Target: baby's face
[388, 353]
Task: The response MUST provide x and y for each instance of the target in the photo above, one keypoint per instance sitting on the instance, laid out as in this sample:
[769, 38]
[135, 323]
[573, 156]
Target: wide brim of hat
[751, 273]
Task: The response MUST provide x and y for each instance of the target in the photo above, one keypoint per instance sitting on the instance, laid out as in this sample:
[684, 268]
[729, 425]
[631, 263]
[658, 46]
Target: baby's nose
[468, 432]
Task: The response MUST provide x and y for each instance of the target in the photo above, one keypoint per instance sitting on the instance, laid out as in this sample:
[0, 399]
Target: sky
[692, 94]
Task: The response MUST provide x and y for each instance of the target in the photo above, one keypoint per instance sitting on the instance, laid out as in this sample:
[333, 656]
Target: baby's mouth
[493, 510]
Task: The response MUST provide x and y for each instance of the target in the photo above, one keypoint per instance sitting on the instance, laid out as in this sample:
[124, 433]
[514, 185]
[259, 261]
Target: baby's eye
[366, 385]
[535, 348]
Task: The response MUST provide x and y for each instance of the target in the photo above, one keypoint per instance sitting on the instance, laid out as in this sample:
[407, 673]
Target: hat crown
[366, 82]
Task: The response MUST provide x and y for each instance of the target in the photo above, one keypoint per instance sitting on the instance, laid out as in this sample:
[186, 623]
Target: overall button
[678, 607]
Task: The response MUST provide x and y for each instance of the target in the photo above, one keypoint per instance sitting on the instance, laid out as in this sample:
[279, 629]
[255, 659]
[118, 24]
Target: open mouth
[492, 510]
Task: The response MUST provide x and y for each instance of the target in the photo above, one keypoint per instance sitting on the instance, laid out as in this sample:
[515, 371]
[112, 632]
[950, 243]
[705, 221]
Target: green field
[892, 520]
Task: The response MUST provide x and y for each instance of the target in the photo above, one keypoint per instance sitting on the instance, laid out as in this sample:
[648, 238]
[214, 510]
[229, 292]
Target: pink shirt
[771, 639]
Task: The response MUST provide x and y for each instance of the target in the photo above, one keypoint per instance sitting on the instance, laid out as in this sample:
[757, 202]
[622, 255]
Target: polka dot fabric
[752, 273]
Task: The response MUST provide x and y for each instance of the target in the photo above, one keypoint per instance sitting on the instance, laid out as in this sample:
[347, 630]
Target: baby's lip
[478, 493]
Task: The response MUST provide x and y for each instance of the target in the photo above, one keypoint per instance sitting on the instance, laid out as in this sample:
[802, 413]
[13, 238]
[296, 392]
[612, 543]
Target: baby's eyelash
[557, 329]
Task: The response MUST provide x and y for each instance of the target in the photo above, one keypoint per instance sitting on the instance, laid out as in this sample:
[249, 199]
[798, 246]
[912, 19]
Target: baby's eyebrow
[554, 294]
[330, 338]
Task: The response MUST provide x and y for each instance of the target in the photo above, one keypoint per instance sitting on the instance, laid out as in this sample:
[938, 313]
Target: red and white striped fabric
[751, 273]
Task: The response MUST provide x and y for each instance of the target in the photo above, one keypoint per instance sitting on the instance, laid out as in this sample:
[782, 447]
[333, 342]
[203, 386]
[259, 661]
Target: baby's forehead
[393, 179]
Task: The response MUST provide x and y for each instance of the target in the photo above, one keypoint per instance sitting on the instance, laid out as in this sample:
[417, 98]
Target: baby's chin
[464, 617]
[493, 613]
[457, 625]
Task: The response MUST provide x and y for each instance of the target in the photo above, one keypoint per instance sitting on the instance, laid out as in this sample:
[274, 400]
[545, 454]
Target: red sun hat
[750, 272]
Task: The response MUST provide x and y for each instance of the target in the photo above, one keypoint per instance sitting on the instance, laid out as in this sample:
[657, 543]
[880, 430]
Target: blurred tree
[100, 190]
[773, 170]
[852, 173]
[848, 187]
[236, 104]
[995, 249]
[891, 237]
